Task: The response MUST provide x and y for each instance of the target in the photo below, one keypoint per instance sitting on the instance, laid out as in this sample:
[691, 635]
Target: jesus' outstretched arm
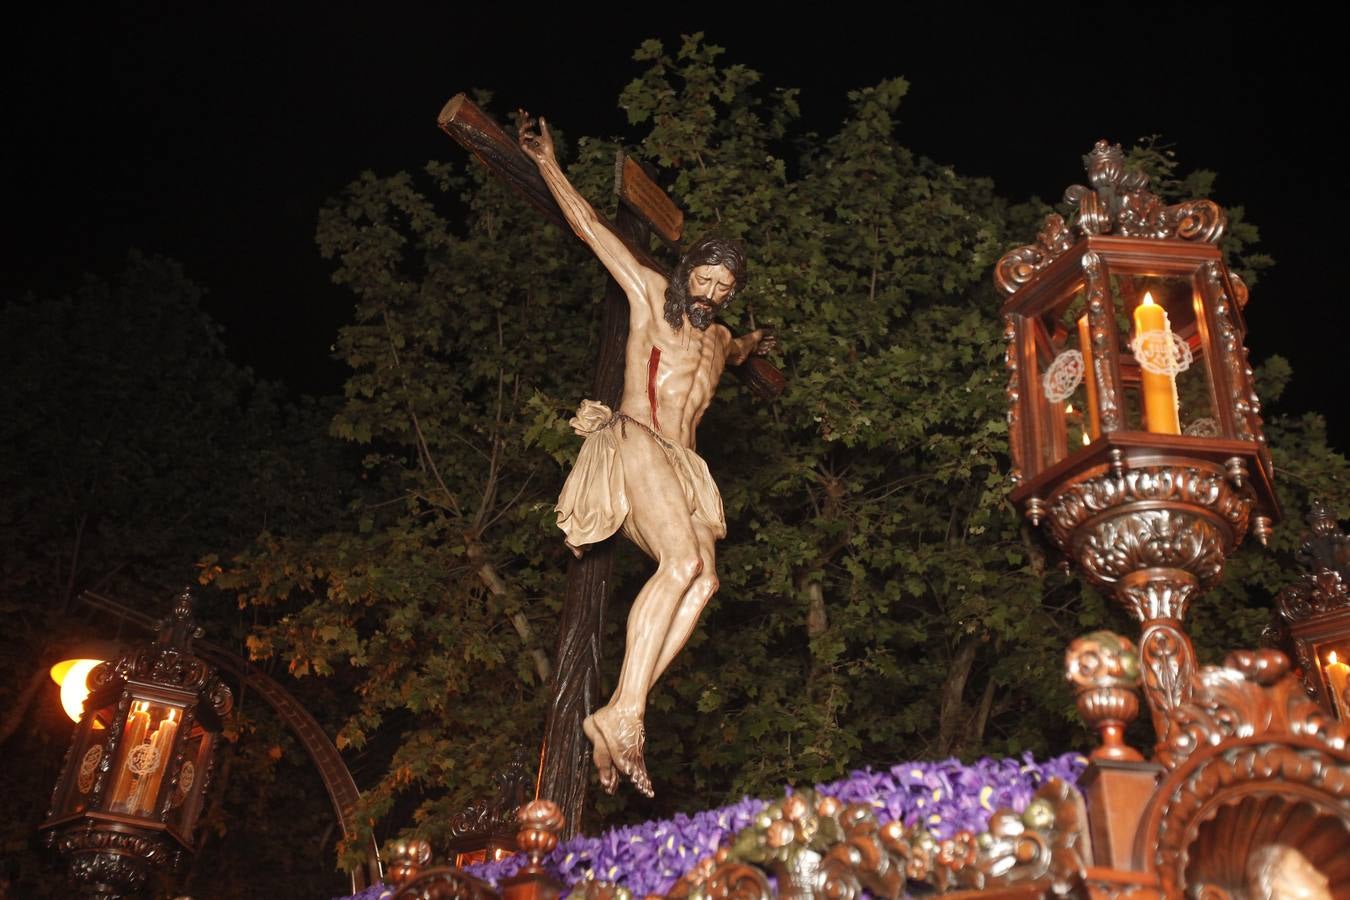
[623, 266]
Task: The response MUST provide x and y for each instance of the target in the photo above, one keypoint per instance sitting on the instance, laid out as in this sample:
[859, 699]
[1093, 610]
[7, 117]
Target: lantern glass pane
[1163, 366]
[88, 748]
[1333, 658]
[143, 757]
[186, 790]
[1063, 411]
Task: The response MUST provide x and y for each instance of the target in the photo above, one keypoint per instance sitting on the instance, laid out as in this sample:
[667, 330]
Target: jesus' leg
[693, 602]
[661, 519]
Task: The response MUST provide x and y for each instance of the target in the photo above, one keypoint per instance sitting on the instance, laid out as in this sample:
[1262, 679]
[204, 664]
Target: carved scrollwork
[1120, 201]
[96, 870]
[1242, 397]
[1116, 547]
[496, 813]
[121, 859]
[1017, 267]
[1235, 802]
[1158, 593]
[1183, 517]
[1198, 220]
[1325, 553]
[1252, 694]
[170, 661]
[1169, 671]
[738, 881]
[1313, 595]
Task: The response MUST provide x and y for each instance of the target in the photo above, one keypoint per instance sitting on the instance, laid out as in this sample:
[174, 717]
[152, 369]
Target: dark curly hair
[710, 251]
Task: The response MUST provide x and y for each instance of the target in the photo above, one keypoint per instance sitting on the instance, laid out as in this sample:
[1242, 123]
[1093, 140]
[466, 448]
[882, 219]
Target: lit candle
[1338, 678]
[134, 735]
[1089, 379]
[1160, 389]
[162, 743]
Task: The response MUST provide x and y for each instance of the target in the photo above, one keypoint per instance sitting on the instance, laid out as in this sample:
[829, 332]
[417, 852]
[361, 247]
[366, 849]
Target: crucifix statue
[624, 371]
[638, 471]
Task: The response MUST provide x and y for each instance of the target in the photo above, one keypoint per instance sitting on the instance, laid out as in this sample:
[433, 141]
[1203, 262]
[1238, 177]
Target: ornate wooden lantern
[1135, 430]
[1315, 612]
[140, 762]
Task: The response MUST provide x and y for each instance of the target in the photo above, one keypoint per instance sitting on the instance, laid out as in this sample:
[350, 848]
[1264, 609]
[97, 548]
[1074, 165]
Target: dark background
[214, 138]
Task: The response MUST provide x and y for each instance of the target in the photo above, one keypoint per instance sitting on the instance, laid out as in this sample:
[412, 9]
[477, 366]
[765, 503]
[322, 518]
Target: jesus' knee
[684, 570]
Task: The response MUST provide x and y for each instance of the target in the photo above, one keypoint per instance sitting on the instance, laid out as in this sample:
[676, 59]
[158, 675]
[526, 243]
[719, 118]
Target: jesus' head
[708, 276]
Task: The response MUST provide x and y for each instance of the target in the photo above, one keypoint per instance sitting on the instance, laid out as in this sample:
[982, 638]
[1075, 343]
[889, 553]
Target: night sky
[214, 140]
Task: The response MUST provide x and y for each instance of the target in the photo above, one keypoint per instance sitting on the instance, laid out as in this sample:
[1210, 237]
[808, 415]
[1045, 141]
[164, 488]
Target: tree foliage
[880, 599]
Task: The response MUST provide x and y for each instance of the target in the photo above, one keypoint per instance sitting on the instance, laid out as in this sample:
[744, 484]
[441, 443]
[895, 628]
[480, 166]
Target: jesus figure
[637, 470]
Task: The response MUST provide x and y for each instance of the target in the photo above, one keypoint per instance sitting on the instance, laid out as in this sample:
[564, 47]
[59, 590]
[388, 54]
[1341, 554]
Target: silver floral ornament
[1161, 352]
[1063, 376]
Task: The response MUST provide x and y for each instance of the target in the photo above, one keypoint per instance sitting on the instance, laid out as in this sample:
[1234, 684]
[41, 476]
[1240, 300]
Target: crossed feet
[617, 738]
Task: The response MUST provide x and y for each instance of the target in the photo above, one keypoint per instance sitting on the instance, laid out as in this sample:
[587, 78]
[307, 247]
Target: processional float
[1137, 446]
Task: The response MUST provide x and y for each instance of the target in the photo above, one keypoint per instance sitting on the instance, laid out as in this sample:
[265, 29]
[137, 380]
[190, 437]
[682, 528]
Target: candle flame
[1148, 298]
[1068, 409]
[1087, 439]
[1331, 657]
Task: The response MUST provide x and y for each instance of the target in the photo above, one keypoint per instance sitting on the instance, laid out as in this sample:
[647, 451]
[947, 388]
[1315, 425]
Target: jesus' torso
[670, 376]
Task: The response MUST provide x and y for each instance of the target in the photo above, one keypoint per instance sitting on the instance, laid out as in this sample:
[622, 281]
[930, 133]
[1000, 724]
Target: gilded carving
[1325, 552]
[1242, 397]
[1252, 694]
[1120, 201]
[100, 857]
[1016, 267]
[1169, 669]
[1116, 547]
[497, 812]
[1014, 392]
[815, 847]
[1100, 327]
[1104, 669]
[1261, 788]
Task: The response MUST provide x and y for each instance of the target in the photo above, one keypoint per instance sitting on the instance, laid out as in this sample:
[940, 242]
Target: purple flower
[945, 797]
[376, 891]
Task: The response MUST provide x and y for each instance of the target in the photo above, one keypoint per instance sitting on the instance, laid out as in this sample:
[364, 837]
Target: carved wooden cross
[564, 769]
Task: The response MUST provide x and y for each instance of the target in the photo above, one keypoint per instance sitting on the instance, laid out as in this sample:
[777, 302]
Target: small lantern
[1125, 342]
[1315, 612]
[140, 761]
[1135, 429]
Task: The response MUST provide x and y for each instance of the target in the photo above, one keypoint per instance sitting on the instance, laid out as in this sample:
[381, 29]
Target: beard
[681, 304]
[701, 312]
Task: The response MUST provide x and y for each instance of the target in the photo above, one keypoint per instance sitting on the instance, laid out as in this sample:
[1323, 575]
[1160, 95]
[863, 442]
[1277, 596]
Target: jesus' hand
[536, 142]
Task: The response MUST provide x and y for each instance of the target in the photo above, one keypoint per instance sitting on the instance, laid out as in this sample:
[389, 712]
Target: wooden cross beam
[476, 132]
